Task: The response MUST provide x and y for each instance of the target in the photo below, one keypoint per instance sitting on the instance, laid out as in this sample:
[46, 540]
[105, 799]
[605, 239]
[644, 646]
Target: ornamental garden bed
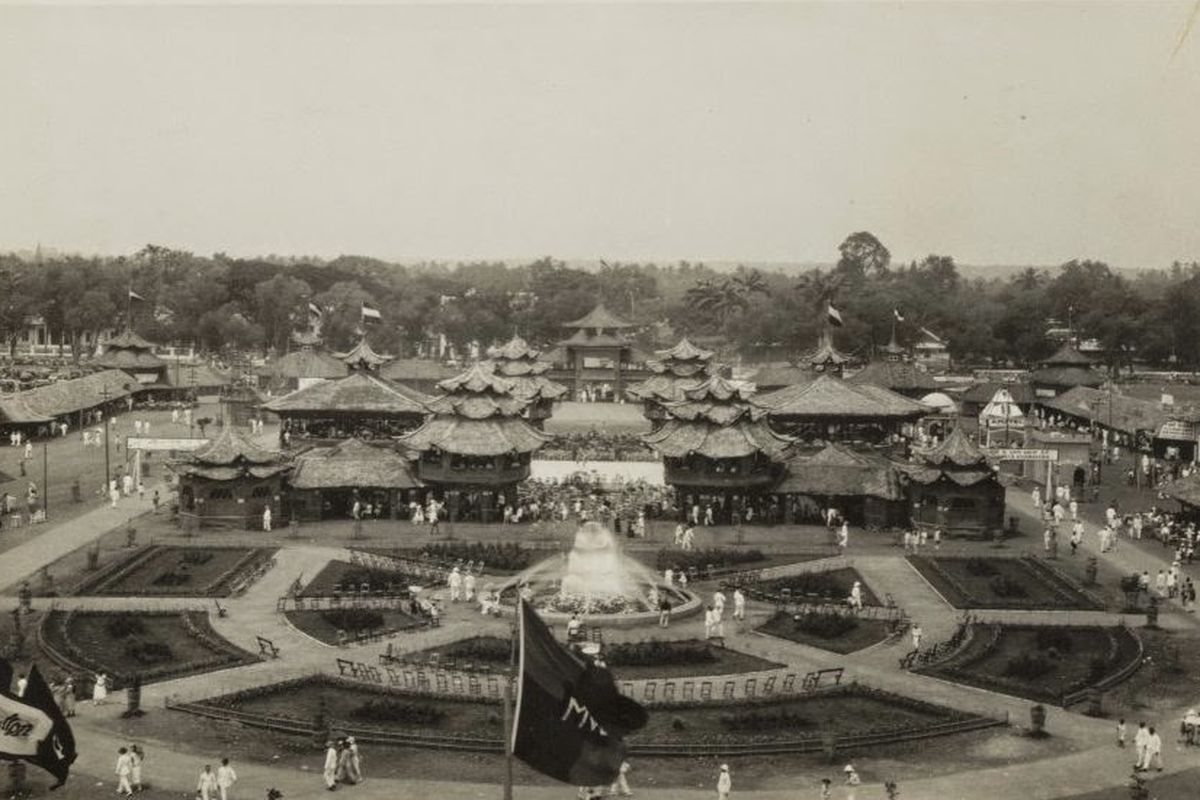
[998, 582]
[336, 625]
[153, 645]
[829, 586]
[342, 577]
[361, 710]
[836, 632]
[158, 571]
[652, 658]
[1043, 662]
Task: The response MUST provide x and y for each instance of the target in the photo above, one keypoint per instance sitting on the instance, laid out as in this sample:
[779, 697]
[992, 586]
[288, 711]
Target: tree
[862, 254]
[281, 304]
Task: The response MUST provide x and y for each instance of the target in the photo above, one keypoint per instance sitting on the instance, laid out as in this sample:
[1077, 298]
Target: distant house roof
[14, 411]
[1128, 414]
[599, 317]
[127, 339]
[678, 438]
[416, 369]
[363, 356]
[775, 376]
[899, 376]
[839, 472]
[359, 392]
[1184, 490]
[305, 365]
[685, 351]
[231, 455]
[586, 337]
[828, 397]
[67, 397]
[982, 393]
[353, 464]
[204, 375]
[1068, 356]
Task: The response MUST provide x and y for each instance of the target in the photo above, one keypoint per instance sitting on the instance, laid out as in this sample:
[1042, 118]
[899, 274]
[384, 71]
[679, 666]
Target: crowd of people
[597, 446]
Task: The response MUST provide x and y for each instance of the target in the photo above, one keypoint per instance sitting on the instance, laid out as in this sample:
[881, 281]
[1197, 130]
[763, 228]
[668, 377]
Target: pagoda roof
[927, 475]
[479, 393]
[662, 388]
[476, 437]
[828, 397]
[825, 355]
[353, 464]
[839, 472]
[678, 438]
[585, 337]
[516, 359]
[536, 387]
[956, 450]
[895, 375]
[306, 365]
[684, 351]
[479, 378]
[128, 359]
[128, 340]
[231, 455]
[1068, 356]
[599, 317]
[359, 392]
[515, 349]
[309, 338]
[716, 400]
[1066, 376]
[362, 355]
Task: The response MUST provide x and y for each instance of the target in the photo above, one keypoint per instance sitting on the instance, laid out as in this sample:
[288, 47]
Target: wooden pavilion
[476, 446]
[519, 363]
[1063, 371]
[134, 355]
[326, 482]
[830, 408]
[953, 487]
[229, 481]
[684, 366]
[864, 487]
[717, 447]
[598, 355]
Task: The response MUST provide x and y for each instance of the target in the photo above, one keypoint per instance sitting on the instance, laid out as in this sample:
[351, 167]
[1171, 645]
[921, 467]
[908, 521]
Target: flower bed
[342, 577]
[982, 582]
[334, 625]
[701, 560]
[157, 571]
[837, 632]
[152, 645]
[1042, 663]
[829, 586]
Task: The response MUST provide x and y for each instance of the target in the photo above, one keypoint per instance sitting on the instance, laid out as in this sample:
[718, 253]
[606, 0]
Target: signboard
[1023, 454]
[155, 443]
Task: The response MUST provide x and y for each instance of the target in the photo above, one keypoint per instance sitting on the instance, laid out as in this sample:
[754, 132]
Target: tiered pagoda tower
[598, 352]
[518, 363]
[717, 447]
[684, 366]
[952, 486]
[229, 481]
[477, 445]
[132, 354]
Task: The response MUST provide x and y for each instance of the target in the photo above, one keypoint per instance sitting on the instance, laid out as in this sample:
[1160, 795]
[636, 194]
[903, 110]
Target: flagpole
[508, 701]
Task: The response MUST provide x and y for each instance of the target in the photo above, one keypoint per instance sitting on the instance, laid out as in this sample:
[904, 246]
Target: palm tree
[819, 287]
[1029, 278]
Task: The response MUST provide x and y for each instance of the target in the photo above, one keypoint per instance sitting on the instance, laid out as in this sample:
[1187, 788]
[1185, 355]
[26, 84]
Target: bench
[267, 648]
[221, 610]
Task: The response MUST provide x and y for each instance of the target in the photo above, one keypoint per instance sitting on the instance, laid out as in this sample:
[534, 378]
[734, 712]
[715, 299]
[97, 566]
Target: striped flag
[370, 315]
[135, 296]
[315, 310]
[835, 316]
[899, 316]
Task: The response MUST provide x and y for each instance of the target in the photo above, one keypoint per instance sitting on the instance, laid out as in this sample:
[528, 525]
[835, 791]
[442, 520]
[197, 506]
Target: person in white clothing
[739, 604]
[22, 685]
[355, 760]
[856, 597]
[669, 576]
[454, 581]
[843, 537]
[100, 690]
[136, 757]
[621, 784]
[710, 622]
[1153, 751]
[1074, 507]
[724, 783]
[1140, 739]
[917, 633]
[330, 770]
[124, 773]
[226, 778]
[207, 785]
[266, 519]
[126, 484]
[719, 602]
[469, 587]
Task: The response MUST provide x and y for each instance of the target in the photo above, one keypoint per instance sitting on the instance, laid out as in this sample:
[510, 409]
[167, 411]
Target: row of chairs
[250, 578]
[424, 681]
[810, 682]
[411, 568]
[914, 659]
[326, 603]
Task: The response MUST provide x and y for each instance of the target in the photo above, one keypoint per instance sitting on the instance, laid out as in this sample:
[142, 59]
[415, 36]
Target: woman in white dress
[100, 690]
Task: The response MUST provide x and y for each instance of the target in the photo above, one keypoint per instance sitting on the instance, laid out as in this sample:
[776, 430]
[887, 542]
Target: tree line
[227, 305]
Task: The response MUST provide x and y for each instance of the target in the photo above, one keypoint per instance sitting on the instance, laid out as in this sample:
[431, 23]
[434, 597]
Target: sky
[997, 133]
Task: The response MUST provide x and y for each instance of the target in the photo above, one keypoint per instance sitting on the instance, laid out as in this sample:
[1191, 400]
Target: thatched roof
[416, 369]
[476, 437]
[679, 438]
[585, 337]
[899, 376]
[185, 376]
[982, 393]
[127, 339]
[957, 450]
[599, 317]
[357, 393]
[1128, 414]
[128, 360]
[827, 398]
[1068, 356]
[14, 411]
[775, 376]
[353, 464]
[363, 356]
[685, 351]
[1184, 490]
[231, 455]
[479, 393]
[716, 400]
[838, 472]
[663, 388]
[69, 396]
[536, 387]
[305, 364]
[515, 349]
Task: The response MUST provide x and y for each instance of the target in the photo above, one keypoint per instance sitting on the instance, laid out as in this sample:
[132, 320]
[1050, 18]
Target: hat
[724, 768]
[350, 739]
[849, 768]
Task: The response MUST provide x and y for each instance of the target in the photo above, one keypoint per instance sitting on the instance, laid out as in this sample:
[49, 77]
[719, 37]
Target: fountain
[597, 580]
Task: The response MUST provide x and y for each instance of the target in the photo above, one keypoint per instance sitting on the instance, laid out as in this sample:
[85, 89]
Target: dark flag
[570, 719]
[33, 729]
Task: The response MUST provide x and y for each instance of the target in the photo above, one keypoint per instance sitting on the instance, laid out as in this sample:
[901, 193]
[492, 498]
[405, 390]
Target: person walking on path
[68, 705]
[739, 604]
[136, 757]
[664, 611]
[1154, 751]
[266, 518]
[1140, 740]
[1121, 733]
[724, 783]
[917, 633]
[843, 538]
[852, 782]
[124, 772]
[330, 770]
[344, 771]
[620, 786]
[355, 760]
[100, 690]
[207, 785]
[226, 778]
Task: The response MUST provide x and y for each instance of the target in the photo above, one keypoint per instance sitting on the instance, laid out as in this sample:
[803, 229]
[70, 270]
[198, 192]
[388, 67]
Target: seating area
[267, 648]
[447, 679]
[247, 580]
[426, 570]
[939, 651]
[670, 692]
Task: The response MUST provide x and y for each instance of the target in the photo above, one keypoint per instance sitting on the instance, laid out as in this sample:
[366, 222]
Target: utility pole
[46, 479]
[104, 422]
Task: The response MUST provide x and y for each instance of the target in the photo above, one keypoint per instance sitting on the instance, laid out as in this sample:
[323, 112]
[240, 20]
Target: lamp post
[46, 479]
[105, 423]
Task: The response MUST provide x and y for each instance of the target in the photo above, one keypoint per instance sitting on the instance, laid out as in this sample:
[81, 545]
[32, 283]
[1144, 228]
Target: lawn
[838, 633]
[846, 710]
[1000, 582]
[155, 646]
[816, 587]
[1040, 662]
[157, 570]
[685, 658]
[326, 626]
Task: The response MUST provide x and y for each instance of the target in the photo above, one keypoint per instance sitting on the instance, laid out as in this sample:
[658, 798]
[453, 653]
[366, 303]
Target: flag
[370, 314]
[899, 316]
[570, 719]
[315, 310]
[135, 296]
[835, 316]
[33, 729]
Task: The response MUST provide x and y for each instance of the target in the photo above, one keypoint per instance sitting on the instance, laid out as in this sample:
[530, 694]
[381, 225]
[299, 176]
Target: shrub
[124, 625]
[487, 649]
[148, 652]
[353, 577]
[196, 557]
[824, 625]
[1097, 668]
[677, 724]
[394, 711]
[757, 721]
[658, 654]
[1004, 586]
[719, 557]
[504, 557]
[981, 567]
[826, 585]
[1054, 638]
[1028, 666]
[173, 578]
[354, 619]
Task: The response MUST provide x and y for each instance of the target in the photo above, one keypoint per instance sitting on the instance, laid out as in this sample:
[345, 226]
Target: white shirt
[225, 776]
[724, 783]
